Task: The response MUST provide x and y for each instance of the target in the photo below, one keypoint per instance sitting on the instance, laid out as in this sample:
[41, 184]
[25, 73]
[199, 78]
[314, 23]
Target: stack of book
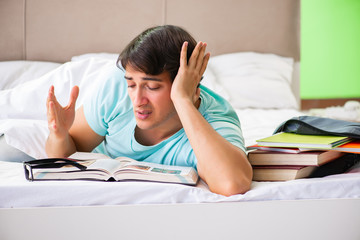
[288, 156]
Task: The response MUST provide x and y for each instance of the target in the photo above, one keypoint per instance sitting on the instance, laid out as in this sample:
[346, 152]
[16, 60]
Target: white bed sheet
[16, 191]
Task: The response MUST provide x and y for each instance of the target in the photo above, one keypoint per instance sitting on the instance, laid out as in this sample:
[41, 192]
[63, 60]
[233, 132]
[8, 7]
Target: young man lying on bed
[159, 114]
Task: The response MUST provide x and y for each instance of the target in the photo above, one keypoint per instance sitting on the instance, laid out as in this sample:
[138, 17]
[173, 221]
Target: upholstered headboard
[56, 30]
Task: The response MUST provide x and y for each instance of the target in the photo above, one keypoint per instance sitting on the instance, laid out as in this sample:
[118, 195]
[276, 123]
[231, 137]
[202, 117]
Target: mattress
[16, 191]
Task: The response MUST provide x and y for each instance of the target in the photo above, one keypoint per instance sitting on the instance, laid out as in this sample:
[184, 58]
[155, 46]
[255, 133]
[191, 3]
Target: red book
[351, 147]
[310, 158]
[275, 149]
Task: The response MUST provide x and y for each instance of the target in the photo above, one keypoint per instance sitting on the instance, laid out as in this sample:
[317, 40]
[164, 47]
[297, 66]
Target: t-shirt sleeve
[230, 131]
[227, 124]
[222, 117]
[108, 100]
[227, 129]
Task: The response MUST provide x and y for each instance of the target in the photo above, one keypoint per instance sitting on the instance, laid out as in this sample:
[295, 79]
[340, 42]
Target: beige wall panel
[57, 30]
[240, 25]
[11, 29]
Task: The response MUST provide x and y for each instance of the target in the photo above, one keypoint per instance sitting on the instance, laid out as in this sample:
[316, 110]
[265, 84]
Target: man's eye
[131, 86]
[153, 87]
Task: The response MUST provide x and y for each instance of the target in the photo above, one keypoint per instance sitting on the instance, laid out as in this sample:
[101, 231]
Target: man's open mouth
[142, 114]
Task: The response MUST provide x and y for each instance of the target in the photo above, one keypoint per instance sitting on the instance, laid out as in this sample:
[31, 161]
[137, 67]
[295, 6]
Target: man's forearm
[60, 147]
[220, 163]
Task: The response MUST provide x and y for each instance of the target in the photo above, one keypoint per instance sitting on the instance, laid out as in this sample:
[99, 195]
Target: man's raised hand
[60, 119]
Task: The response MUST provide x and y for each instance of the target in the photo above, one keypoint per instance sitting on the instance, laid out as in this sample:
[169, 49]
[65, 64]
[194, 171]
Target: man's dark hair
[156, 50]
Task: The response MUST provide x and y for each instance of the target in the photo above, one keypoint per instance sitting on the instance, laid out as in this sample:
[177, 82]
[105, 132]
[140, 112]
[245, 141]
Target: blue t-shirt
[109, 113]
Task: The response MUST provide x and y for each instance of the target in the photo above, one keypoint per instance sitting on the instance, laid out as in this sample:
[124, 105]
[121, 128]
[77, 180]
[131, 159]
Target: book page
[109, 165]
[97, 161]
[88, 156]
[138, 170]
[154, 168]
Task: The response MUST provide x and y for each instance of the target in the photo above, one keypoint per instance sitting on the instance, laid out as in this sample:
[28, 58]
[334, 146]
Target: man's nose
[140, 97]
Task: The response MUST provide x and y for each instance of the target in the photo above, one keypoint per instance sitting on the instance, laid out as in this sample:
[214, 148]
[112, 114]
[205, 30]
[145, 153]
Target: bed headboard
[56, 30]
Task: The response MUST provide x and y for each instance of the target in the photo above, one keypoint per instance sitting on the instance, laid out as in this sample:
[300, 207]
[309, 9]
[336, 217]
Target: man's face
[150, 96]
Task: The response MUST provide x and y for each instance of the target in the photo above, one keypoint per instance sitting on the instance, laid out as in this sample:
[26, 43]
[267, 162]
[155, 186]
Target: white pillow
[108, 56]
[13, 73]
[211, 82]
[27, 135]
[28, 100]
[255, 80]
[23, 108]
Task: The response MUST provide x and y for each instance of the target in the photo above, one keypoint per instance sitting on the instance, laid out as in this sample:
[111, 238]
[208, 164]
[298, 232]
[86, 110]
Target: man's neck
[153, 137]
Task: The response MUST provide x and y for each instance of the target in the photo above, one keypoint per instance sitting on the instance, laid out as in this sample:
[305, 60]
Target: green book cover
[284, 139]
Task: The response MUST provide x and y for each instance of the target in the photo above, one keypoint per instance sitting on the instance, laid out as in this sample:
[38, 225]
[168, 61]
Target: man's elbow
[233, 187]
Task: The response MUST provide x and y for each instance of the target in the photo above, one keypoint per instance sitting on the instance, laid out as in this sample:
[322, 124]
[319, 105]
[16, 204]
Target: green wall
[330, 49]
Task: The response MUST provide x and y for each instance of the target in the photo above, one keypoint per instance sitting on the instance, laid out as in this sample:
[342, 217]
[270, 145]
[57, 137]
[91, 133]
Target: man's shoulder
[109, 93]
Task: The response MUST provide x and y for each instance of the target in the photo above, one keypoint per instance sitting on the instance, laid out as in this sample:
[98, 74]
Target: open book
[95, 166]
